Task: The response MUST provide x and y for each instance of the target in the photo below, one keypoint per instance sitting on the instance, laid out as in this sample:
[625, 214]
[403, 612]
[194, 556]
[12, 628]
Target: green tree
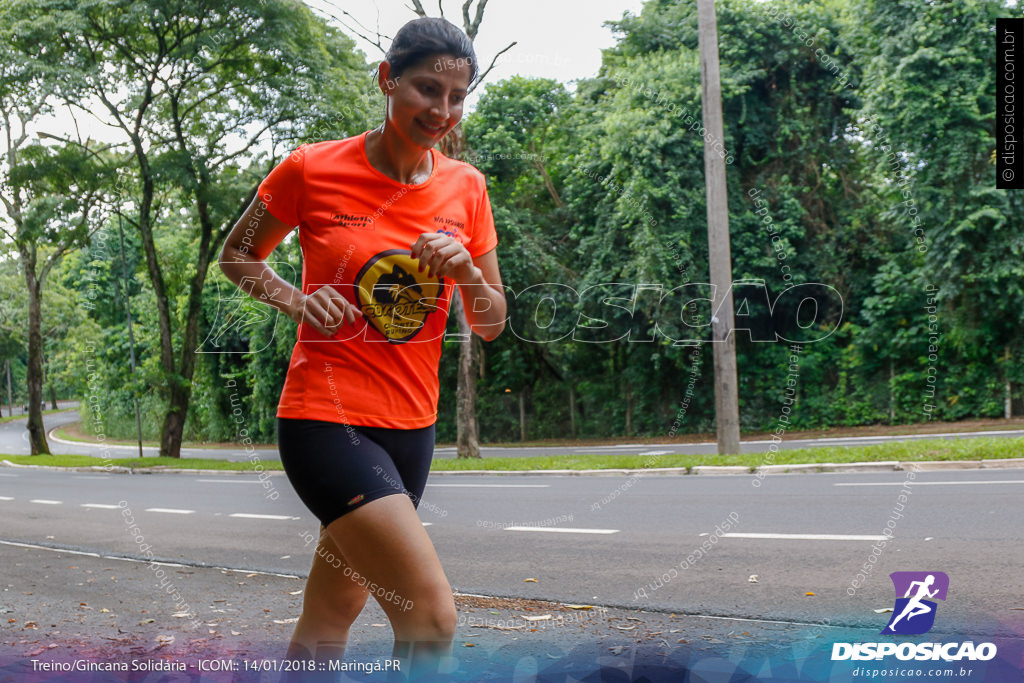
[51, 193]
[517, 139]
[929, 84]
[196, 89]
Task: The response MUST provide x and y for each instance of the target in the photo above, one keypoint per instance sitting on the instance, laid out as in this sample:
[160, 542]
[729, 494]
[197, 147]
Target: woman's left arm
[483, 298]
[479, 280]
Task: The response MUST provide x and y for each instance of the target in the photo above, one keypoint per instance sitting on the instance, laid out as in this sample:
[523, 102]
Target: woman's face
[425, 101]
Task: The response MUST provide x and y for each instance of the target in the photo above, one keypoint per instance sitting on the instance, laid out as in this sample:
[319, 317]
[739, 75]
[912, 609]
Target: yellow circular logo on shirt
[394, 296]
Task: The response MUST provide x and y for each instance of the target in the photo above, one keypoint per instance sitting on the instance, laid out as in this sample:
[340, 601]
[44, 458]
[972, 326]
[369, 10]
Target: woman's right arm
[243, 260]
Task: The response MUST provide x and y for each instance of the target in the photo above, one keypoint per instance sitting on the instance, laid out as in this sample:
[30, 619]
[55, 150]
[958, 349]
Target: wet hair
[426, 36]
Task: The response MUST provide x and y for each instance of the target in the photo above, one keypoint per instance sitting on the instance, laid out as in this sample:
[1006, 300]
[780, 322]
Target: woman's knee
[445, 620]
[435, 620]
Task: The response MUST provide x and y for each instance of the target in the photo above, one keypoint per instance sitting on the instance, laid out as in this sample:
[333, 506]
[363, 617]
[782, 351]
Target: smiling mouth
[431, 130]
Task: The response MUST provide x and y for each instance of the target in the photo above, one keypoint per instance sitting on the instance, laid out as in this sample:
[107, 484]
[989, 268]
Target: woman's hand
[325, 310]
[444, 256]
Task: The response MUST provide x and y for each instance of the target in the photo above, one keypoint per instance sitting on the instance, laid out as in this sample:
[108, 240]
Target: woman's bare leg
[330, 604]
[391, 556]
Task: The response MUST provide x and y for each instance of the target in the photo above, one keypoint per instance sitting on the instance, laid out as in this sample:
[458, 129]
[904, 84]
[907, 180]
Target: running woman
[388, 226]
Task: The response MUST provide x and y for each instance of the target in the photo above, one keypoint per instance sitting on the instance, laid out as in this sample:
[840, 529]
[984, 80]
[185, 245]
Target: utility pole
[727, 413]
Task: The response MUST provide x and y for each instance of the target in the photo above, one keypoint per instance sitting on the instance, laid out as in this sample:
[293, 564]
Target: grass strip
[23, 416]
[931, 449]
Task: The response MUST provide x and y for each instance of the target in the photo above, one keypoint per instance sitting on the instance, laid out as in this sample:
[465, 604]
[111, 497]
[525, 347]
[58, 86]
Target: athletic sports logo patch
[349, 220]
[394, 296]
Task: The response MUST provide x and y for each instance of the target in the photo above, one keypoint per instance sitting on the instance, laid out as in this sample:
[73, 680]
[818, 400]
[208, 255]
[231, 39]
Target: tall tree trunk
[178, 372]
[467, 440]
[177, 397]
[892, 392]
[538, 163]
[53, 397]
[629, 412]
[36, 430]
[173, 429]
[467, 443]
[453, 146]
[478, 359]
[572, 410]
[522, 414]
[1008, 406]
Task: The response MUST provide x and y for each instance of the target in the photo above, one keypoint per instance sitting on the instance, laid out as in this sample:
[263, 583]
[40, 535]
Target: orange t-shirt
[356, 229]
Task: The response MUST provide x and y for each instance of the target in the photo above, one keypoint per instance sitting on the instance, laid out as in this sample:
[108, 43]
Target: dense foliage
[859, 142]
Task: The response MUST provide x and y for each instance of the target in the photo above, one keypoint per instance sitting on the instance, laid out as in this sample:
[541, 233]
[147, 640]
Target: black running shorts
[335, 468]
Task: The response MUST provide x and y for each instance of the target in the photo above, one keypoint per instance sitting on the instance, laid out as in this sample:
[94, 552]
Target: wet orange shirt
[356, 229]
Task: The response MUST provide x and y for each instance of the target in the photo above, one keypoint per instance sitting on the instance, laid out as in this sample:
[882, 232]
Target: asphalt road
[616, 535]
[14, 440]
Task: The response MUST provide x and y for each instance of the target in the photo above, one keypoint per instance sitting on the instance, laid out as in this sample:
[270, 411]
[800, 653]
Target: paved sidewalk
[61, 607]
[58, 606]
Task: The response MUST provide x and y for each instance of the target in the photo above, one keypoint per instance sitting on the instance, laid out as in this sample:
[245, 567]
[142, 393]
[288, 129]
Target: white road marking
[428, 523]
[42, 501]
[561, 530]
[492, 486]
[228, 481]
[933, 483]
[6, 498]
[812, 537]
[171, 511]
[143, 561]
[654, 453]
[101, 506]
[249, 515]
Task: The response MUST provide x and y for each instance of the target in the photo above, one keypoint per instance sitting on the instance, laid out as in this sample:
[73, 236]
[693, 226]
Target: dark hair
[426, 36]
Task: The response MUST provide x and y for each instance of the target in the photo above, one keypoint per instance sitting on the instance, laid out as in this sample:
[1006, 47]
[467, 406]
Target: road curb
[941, 465]
[704, 470]
[1005, 463]
[719, 469]
[52, 436]
[132, 470]
[796, 468]
[880, 466]
[792, 468]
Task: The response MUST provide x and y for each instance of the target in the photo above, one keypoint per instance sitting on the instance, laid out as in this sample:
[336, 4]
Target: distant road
[14, 440]
[619, 540]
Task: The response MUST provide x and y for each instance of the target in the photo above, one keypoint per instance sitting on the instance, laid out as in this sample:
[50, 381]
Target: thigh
[334, 468]
[386, 545]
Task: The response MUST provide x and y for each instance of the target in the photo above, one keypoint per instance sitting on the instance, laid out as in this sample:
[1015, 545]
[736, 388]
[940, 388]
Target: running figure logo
[914, 613]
